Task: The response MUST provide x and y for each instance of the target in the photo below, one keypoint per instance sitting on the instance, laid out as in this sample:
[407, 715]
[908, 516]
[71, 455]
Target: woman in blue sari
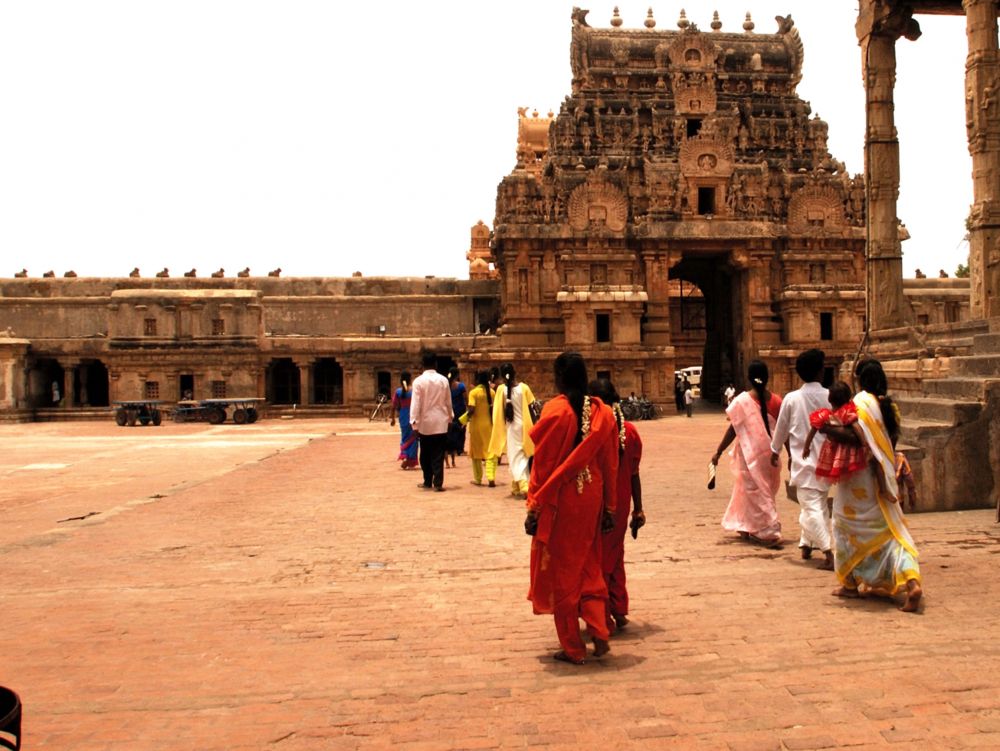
[401, 408]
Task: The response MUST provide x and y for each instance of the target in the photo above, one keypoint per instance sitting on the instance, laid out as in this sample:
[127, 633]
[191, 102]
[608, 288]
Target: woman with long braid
[408, 442]
[512, 428]
[571, 500]
[752, 415]
[479, 417]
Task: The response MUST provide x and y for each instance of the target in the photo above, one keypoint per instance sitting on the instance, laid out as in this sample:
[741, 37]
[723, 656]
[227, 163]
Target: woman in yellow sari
[479, 418]
[873, 549]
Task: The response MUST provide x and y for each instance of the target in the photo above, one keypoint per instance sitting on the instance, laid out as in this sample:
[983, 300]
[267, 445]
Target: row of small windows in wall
[151, 390]
[218, 327]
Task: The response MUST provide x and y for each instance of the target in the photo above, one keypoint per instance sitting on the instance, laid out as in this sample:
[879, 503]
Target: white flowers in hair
[621, 424]
[758, 381]
[584, 476]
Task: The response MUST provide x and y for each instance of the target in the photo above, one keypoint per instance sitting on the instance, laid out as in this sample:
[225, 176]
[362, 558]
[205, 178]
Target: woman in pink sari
[752, 415]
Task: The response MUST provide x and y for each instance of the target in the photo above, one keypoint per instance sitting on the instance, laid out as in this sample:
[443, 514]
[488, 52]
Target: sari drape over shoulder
[498, 438]
[873, 547]
[751, 508]
[570, 487]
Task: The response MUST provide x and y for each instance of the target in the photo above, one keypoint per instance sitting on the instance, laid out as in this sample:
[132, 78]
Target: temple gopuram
[680, 158]
[681, 209]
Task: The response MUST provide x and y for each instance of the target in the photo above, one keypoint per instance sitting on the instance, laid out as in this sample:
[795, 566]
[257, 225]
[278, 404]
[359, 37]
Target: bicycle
[380, 403]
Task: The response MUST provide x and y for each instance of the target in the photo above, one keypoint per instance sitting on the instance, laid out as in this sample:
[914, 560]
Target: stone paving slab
[285, 585]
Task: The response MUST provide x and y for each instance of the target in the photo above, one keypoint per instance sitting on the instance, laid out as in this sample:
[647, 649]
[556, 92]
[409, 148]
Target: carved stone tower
[679, 155]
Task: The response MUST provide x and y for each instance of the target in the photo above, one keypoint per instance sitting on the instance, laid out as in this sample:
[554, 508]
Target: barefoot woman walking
[571, 500]
[873, 548]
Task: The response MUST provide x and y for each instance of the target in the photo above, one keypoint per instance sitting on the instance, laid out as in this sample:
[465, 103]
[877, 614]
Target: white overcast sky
[330, 137]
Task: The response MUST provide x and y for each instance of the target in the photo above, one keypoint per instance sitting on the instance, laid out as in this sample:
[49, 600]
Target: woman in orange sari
[571, 500]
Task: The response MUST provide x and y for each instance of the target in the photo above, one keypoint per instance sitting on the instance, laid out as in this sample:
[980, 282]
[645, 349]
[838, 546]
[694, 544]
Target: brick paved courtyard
[285, 586]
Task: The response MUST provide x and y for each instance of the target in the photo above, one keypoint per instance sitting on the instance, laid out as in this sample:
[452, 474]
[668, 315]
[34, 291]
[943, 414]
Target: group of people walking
[832, 439]
[436, 413]
[576, 462]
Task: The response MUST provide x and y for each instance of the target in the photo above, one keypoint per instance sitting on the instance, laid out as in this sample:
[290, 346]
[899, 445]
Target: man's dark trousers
[432, 449]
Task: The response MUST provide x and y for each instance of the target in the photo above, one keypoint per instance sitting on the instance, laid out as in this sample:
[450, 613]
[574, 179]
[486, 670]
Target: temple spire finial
[716, 23]
[682, 22]
[650, 21]
[616, 20]
[748, 25]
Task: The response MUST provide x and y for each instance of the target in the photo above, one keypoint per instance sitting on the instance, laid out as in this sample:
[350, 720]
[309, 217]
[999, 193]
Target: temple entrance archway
[91, 384]
[283, 382]
[46, 383]
[705, 320]
[328, 382]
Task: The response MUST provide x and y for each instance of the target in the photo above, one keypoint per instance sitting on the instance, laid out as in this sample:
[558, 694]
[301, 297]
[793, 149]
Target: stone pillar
[880, 24]
[69, 383]
[305, 381]
[13, 372]
[982, 122]
[657, 272]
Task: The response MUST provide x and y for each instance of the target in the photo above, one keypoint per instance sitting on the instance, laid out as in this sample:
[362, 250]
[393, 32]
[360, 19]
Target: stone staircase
[950, 432]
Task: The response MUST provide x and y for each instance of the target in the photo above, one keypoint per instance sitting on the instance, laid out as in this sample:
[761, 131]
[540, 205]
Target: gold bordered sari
[873, 548]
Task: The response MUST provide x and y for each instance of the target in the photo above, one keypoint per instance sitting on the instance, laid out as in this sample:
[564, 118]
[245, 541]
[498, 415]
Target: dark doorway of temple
[91, 384]
[383, 380]
[186, 386]
[705, 311]
[283, 382]
[328, 382]
[46, 383]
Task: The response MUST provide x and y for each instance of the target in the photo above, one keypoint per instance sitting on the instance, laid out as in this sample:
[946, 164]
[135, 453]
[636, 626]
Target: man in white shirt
[730, 394]
[791, 430]
[688, 398]
[430, 414]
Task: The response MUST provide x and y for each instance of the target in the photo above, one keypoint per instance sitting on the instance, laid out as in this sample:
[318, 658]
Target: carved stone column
[880, 24]
[982, 122]
[657, 272]
[69, 383]
[305, 381]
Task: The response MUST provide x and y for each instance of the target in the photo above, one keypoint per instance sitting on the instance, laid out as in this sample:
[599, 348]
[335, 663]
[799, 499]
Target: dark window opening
[706, 201]
[693, 126]
[828, 374]
[604, 374]
[603, 327]
[218, 327]
[218, 389]
[149, 327]
[826, 326]
[152, 390]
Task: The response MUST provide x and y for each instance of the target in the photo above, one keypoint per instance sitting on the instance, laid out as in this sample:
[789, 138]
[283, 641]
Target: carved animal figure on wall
[244, 274]
[48, 274]
[21, 274]
[218, 274]
[579, 16]
[276, 272]
[134, 273]
[191, 274]
[163, 274]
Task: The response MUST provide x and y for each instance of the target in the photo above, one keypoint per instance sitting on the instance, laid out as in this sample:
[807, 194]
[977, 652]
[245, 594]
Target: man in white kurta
[792, 428]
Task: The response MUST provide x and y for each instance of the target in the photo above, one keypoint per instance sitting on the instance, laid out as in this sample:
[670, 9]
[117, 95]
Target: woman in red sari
[571, 500]
[629, 492]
